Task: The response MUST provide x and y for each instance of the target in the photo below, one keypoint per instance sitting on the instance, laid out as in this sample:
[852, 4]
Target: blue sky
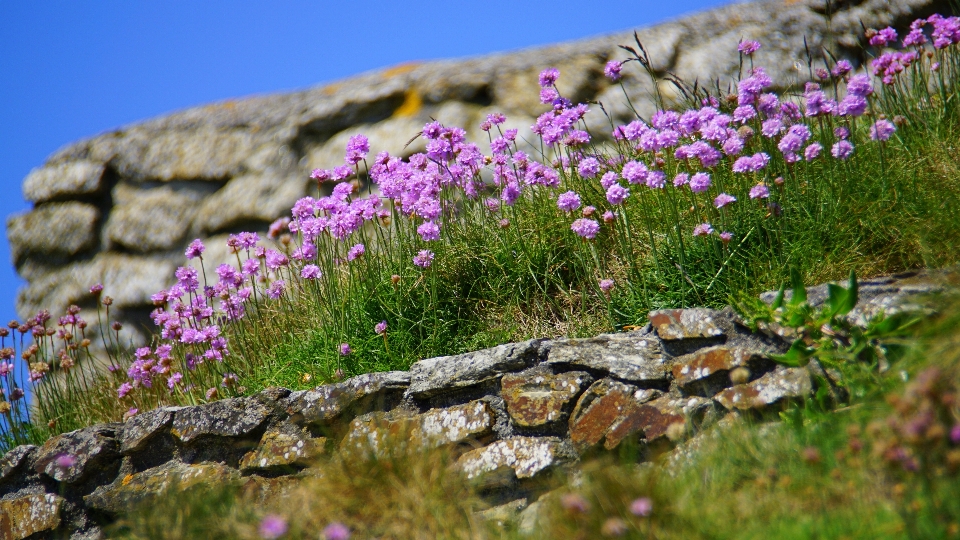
[73, 69]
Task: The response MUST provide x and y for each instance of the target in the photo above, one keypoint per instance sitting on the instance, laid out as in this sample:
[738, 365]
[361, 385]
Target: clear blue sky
[71, 69]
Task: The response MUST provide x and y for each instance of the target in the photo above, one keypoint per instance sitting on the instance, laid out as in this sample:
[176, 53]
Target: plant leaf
[799, 291]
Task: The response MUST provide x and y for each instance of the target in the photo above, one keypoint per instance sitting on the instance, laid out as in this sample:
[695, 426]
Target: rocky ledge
[510, 413]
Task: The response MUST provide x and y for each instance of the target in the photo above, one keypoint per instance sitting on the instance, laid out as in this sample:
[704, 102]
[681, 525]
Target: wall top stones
[138, 194]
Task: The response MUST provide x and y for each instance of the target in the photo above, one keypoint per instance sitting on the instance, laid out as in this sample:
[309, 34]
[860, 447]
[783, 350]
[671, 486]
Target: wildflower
[812, 151]
[174, 380]
[96, 289]
[700, 182]
[748, 47]
[859, 85]
[883, 37]
[195, 249]
[770, 128]
[635, 172]
[955, 434]
[882, 130]
[548, 77]
[310, 271]
[380, 327]
[276, 289]
[504, 223]
[744, 113]
[356, 252]
[65, 461]
[726, 237]
[759, 191]
[549, 95]
[229, 379]
[613, 527]
[723, 199]
[574, 503]
[321, 175]
[641, 507]
[704, 229]
[423, 258]
[841, 132]
[612, 70]
[616, 194]
[250, 267]
[211, 394]
[681, 179]
[585, 228]
[608, 217]
[842, 68]
[608, 179]
[568, 201]
[589, 167]
[336, 531]
[272, 526]
[842, 149]
[124, 389]
[496, 118]
[606, 285]
[588, 211]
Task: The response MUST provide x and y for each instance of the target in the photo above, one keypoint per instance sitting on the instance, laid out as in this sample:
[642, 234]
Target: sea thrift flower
[635, 172]
[641, 507]
[883, 37]
[124, 389]
[704, 229]
[726, 237]
[748, 47]
[882, 130]
[612, 70]
[568, 201]
[424, 258]
[174, 380]
[574, 503]
[195, 249]
[842, 149]
[336, 531]
[759, 191]
[345, 349]
[272, 526]
[380, 327]
[681, 179]
[841, 132]
[609, 217]
[616, 194]
[548, 77]
[585, 228]
[700, 182]
[275, 290]
[842, 68]
[723, 199]
[606, 285]
[588, 211]
[812, 151]
[429, 231]
[656, 179]
[608, 179]
[589, 167]
[310, 271]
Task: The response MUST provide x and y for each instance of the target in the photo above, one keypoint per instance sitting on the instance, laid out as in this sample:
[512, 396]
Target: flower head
[423, 258]
[616, 194]
[759, 191]
[612, 70]
[195, 249]
[842, 149]
[569, 201]
[704, 229]
[272, 526]
[700, 182]
[336, 531]
[724, 199]
[585, 228]
[748, 47]
[380, 327]
[345, 349]
[310, 271]
[882, 130]
[548, 77]
[606, 285]
[642, 507]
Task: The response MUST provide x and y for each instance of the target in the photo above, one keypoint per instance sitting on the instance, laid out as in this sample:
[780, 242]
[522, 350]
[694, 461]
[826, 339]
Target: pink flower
[724, 199]
[310, 271]
[642, 507]
[336, 531]
[585, 228]
[759, 191]
[345, 349]
[568, 201]
[380, 327]
[704, 229]
[423, 258]
[272, 526]
[606, 285]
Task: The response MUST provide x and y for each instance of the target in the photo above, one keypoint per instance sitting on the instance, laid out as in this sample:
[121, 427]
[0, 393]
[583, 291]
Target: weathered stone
[203, 153]
[283, 446]
[535, 399]
[660, 414]
[156, 219]
[62, 180]
[225, 418]
[608, 411]
[773, 388]
[696, 323]
[631, 356]
[709, 368]
[12, 460]
[448, 373]
[58, 229]
[268, 490]
[71, 456]
[275, 195]
[139, 429]
[434, 428]
[358, 395]
[132, 489]
[524, 456]
[504, 513]
[28, 515]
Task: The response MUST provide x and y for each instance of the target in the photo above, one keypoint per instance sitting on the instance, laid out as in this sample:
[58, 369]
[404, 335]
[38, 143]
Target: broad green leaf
[799, 291]
[778, 301]
[796, 356]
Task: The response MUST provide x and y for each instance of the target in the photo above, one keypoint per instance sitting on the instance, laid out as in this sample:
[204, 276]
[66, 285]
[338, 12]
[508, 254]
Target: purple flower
[588, 167]
[842, 149]
[955, 434]
[656, 179]
[641, 507]
[272, 526]
[859, 85]
[842, 68]
[569, 201]
[187, 278]
[704, 229]
[548, 77]
[812, 151]
[608, 179]
[606, 285]
[748, 47]
[380, 327]
[585, 228]
[726, 237]
[612, 70]
[310, 271]
[882, 130]
[852, 105]
[65, 461]
[124, 389]
[275, 290]
[336, 531]
[841, 132]
[345, 349]
[883, 37]
[549, 95]
[681, 179]
[635, 172]
[700, 182]
[759, 191]
[743, 113]
[423, 258]
[250, 267]
[174, 380]
[357, 251]
[723, 199]
[195, 249]
[616, 194]
[496, 118]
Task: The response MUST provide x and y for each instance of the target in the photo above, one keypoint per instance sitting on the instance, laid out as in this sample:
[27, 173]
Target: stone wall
[119, 208]
[511, 413]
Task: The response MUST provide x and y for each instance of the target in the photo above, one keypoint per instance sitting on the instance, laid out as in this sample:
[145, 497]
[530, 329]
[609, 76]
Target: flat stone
[695, 323]
[711, 366]
[524, 456]
[67, 179]
[437, 427]
[535, 399]
[660, 414]
[357, 395]
[275, 195]
[435, 376]
[90, 448]
[132, 489]
[630, 356]
[54, 229]
[608, 412]
[139, 429]
[772, 388]
[504, 513]
[28, 515]
[156, 220]
[12, 460]
[283, 446]
[225, 418]
[202, 153]
[268, 490]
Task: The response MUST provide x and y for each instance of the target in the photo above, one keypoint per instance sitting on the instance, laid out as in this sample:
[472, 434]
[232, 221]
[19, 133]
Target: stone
[357, 395]
[133, 489]
[12, 460]
[536, 399]
[608, 412]
[283, 446]
[142, 427]
[432, 429]
[268, 490]
[204, 152]
[504, 513]
[630, 356]
[54, 229]
[707, 371]
[524, 456]
[691, 412]
[771, 389]
[154, 220]
[225, 418]
[28, 515]
[60, 180]
[233, 204]
[695, 323]
[448, 373]
[71, 456]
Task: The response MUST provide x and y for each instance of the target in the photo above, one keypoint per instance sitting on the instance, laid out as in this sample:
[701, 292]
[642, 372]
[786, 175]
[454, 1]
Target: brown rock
[434, 428]
[772, 388]
[696, 323]
[28, 515]
[535, 399]
[524, 457]
[139, 429]
[126, 492]
[608, 411]
[710, 367]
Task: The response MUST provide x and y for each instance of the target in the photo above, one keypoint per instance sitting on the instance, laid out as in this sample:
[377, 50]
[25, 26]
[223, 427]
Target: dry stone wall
[119, 208]
[511, 413]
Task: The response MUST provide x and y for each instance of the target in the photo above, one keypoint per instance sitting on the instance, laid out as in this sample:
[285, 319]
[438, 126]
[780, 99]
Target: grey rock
[139, 429]
[71, 456]
[154, 219]
[12, 460]
[773, 388]
[251, 197]
[449, 373]
[358, 395]
[60, 180]
[126, 492]
[225, 418]
[57, 229]
[631, 356]
[523, 456]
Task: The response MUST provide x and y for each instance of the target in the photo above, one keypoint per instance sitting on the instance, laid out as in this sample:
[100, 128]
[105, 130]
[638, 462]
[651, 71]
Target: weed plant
[564, 233]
